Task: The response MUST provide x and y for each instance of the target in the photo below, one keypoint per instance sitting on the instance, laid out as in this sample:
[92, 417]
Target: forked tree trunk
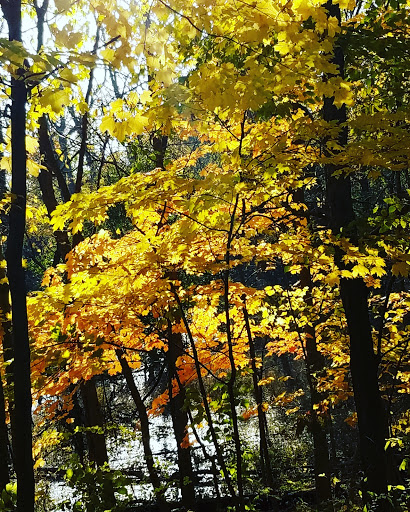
[204, 396]
[92, 411]
[158, 486]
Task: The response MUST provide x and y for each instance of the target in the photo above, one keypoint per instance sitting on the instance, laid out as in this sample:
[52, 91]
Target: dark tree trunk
[146, 436]
[159, 144]
[92, 411]
[232, 378]
[21, 431]
[315, 364]
[76, 414]
[180, 422]
[371, 415]
[97, 448]
[93, 418]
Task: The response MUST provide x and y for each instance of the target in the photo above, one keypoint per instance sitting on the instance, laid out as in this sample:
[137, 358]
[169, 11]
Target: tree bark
[94, 418]
[97, 448]
[371, 415]
[5, 322]
[232, 378]
[22, 434]
[314, 365]
[4, 441]
[180, 422]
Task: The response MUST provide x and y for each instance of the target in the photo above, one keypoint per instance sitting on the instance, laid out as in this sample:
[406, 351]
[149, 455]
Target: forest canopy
[205, 255]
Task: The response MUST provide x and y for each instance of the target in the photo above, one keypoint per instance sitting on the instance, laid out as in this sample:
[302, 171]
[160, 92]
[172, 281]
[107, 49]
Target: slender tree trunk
[22, 386]
[77, 438]
[205, 453]
[257, 391]
[315, 364]
[145, 431]
[22, 434]
[214, 437]
[363, 363]
[232, 379]
[180, 421]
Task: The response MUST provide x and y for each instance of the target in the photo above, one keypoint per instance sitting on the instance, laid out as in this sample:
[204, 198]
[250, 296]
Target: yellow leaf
[137, 124]
[55, 99]
[120, 130]
[402, 268]
[63, 5]
[145, 97]
[68, 75]
[33, 168]
[378, 271]
[108, 124]
[359, 270]
[108, 54]
[347, 4]
[117, 105]
[31, 144]
[39, 463]
[332, 278]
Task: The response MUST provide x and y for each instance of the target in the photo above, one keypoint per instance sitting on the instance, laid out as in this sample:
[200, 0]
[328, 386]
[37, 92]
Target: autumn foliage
[192, 151]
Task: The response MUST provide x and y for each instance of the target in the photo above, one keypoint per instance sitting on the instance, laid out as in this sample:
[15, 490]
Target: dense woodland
[205, 255]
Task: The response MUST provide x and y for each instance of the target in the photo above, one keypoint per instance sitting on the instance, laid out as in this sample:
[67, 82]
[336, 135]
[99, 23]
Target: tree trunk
[94, 418]
[180, 422]
[5, 391]
[363, 364]
[97, 448]
[232, 378]
[257, 391]
[22, 434]
[314, 365]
